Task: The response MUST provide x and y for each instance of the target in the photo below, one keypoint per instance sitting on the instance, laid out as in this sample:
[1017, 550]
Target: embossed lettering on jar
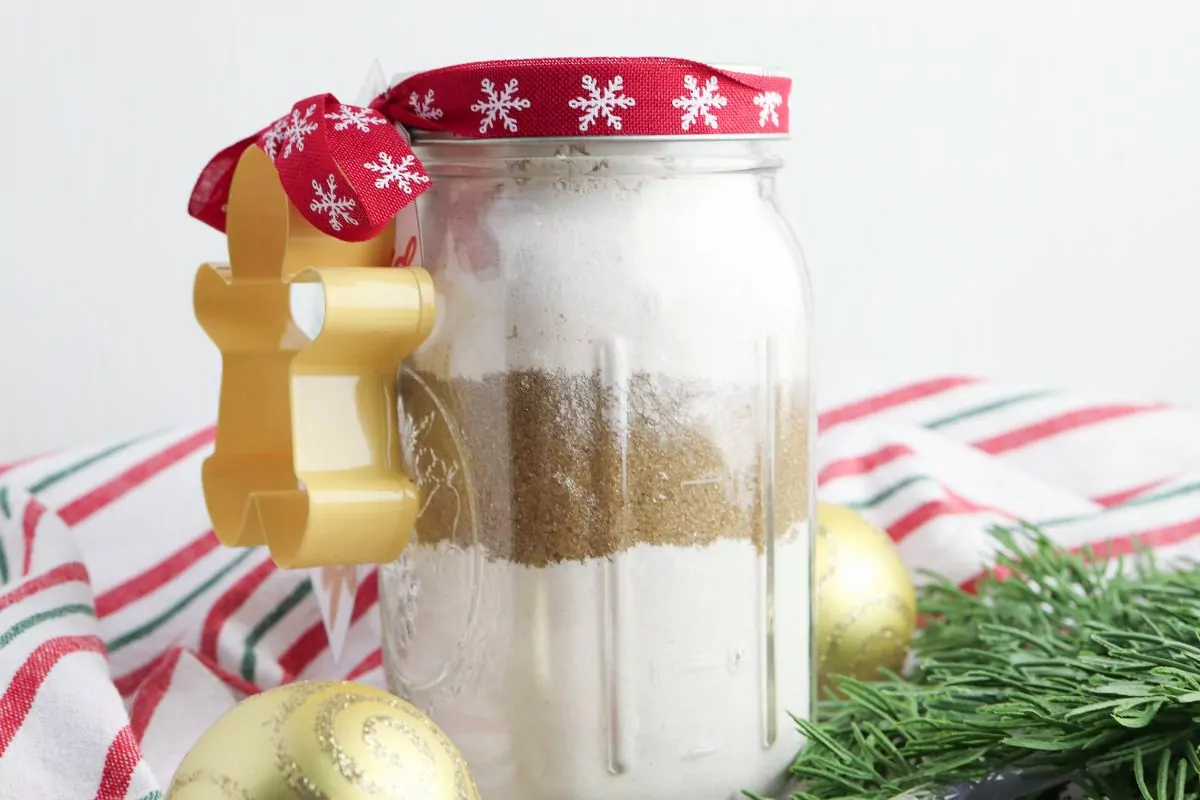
[608, 591]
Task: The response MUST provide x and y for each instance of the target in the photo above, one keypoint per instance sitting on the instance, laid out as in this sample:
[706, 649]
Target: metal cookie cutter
[307, 457]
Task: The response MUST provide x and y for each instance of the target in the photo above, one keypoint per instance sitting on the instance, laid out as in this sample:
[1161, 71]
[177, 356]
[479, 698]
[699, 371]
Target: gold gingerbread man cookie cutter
[307, 457]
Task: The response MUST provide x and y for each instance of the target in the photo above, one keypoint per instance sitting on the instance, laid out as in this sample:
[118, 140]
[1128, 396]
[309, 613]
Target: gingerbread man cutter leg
[307, 457]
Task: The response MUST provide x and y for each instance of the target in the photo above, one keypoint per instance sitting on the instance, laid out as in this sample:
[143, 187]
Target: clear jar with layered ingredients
[607, 596]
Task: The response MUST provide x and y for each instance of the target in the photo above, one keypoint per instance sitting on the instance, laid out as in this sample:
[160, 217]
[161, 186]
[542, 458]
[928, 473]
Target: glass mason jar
[611, 427]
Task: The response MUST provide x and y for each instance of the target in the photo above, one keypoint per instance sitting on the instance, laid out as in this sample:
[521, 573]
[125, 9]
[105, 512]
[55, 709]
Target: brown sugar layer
[542, 467]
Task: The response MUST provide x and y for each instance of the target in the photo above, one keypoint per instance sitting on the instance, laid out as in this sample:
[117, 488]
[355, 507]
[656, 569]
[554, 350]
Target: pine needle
[1074, 668]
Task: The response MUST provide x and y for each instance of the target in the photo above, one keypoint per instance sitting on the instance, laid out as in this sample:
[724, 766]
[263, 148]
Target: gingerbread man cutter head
[307, 457]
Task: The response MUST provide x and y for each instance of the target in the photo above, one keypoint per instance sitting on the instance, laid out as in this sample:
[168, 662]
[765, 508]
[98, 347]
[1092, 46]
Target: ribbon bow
[347, 169]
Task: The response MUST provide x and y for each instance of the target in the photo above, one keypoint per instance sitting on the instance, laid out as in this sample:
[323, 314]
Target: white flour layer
[645, 676]
[691, 277]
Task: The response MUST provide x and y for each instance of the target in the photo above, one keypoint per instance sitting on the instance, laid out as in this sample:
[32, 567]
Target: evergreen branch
[1072, 668]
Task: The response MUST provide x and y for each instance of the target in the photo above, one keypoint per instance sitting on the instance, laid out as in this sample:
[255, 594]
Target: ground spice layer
[544, 467]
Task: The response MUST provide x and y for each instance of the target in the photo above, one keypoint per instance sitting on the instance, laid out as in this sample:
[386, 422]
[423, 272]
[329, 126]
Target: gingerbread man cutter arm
[307, 457]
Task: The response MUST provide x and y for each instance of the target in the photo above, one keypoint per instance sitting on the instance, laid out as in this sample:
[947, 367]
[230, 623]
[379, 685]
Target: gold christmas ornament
[865, 598]
[319, 740]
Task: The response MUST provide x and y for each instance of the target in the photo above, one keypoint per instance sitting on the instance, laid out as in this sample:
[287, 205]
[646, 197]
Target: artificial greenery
[1072, 667]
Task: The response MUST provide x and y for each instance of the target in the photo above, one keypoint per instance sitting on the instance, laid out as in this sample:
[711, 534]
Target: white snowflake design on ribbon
[601, 102]
[423, 107]
[327, 201]
[396, 173]
[701, 101]
[497, 105]
[289, 131]
[361, 119]
[768, 103]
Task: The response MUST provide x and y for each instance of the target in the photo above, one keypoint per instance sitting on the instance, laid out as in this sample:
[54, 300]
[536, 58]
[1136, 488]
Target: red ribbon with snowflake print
[349, 170]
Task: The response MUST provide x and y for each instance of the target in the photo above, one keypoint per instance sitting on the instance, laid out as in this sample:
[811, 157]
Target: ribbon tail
[210, 196]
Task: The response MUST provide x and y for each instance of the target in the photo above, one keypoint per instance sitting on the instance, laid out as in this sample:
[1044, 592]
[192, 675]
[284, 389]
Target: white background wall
[1006, 188]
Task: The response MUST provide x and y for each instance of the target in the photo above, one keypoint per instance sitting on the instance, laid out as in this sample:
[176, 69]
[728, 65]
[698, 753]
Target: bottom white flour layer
[657, 674]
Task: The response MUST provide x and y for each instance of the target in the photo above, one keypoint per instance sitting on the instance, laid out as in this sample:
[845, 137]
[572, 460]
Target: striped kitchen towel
[126, 630]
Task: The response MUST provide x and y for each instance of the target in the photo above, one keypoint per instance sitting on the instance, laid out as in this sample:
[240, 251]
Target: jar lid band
[562, 97]
[349, 170]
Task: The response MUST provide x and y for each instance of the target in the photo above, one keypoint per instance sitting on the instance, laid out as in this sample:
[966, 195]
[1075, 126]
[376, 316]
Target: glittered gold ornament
[865, 598]
[320, 740]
